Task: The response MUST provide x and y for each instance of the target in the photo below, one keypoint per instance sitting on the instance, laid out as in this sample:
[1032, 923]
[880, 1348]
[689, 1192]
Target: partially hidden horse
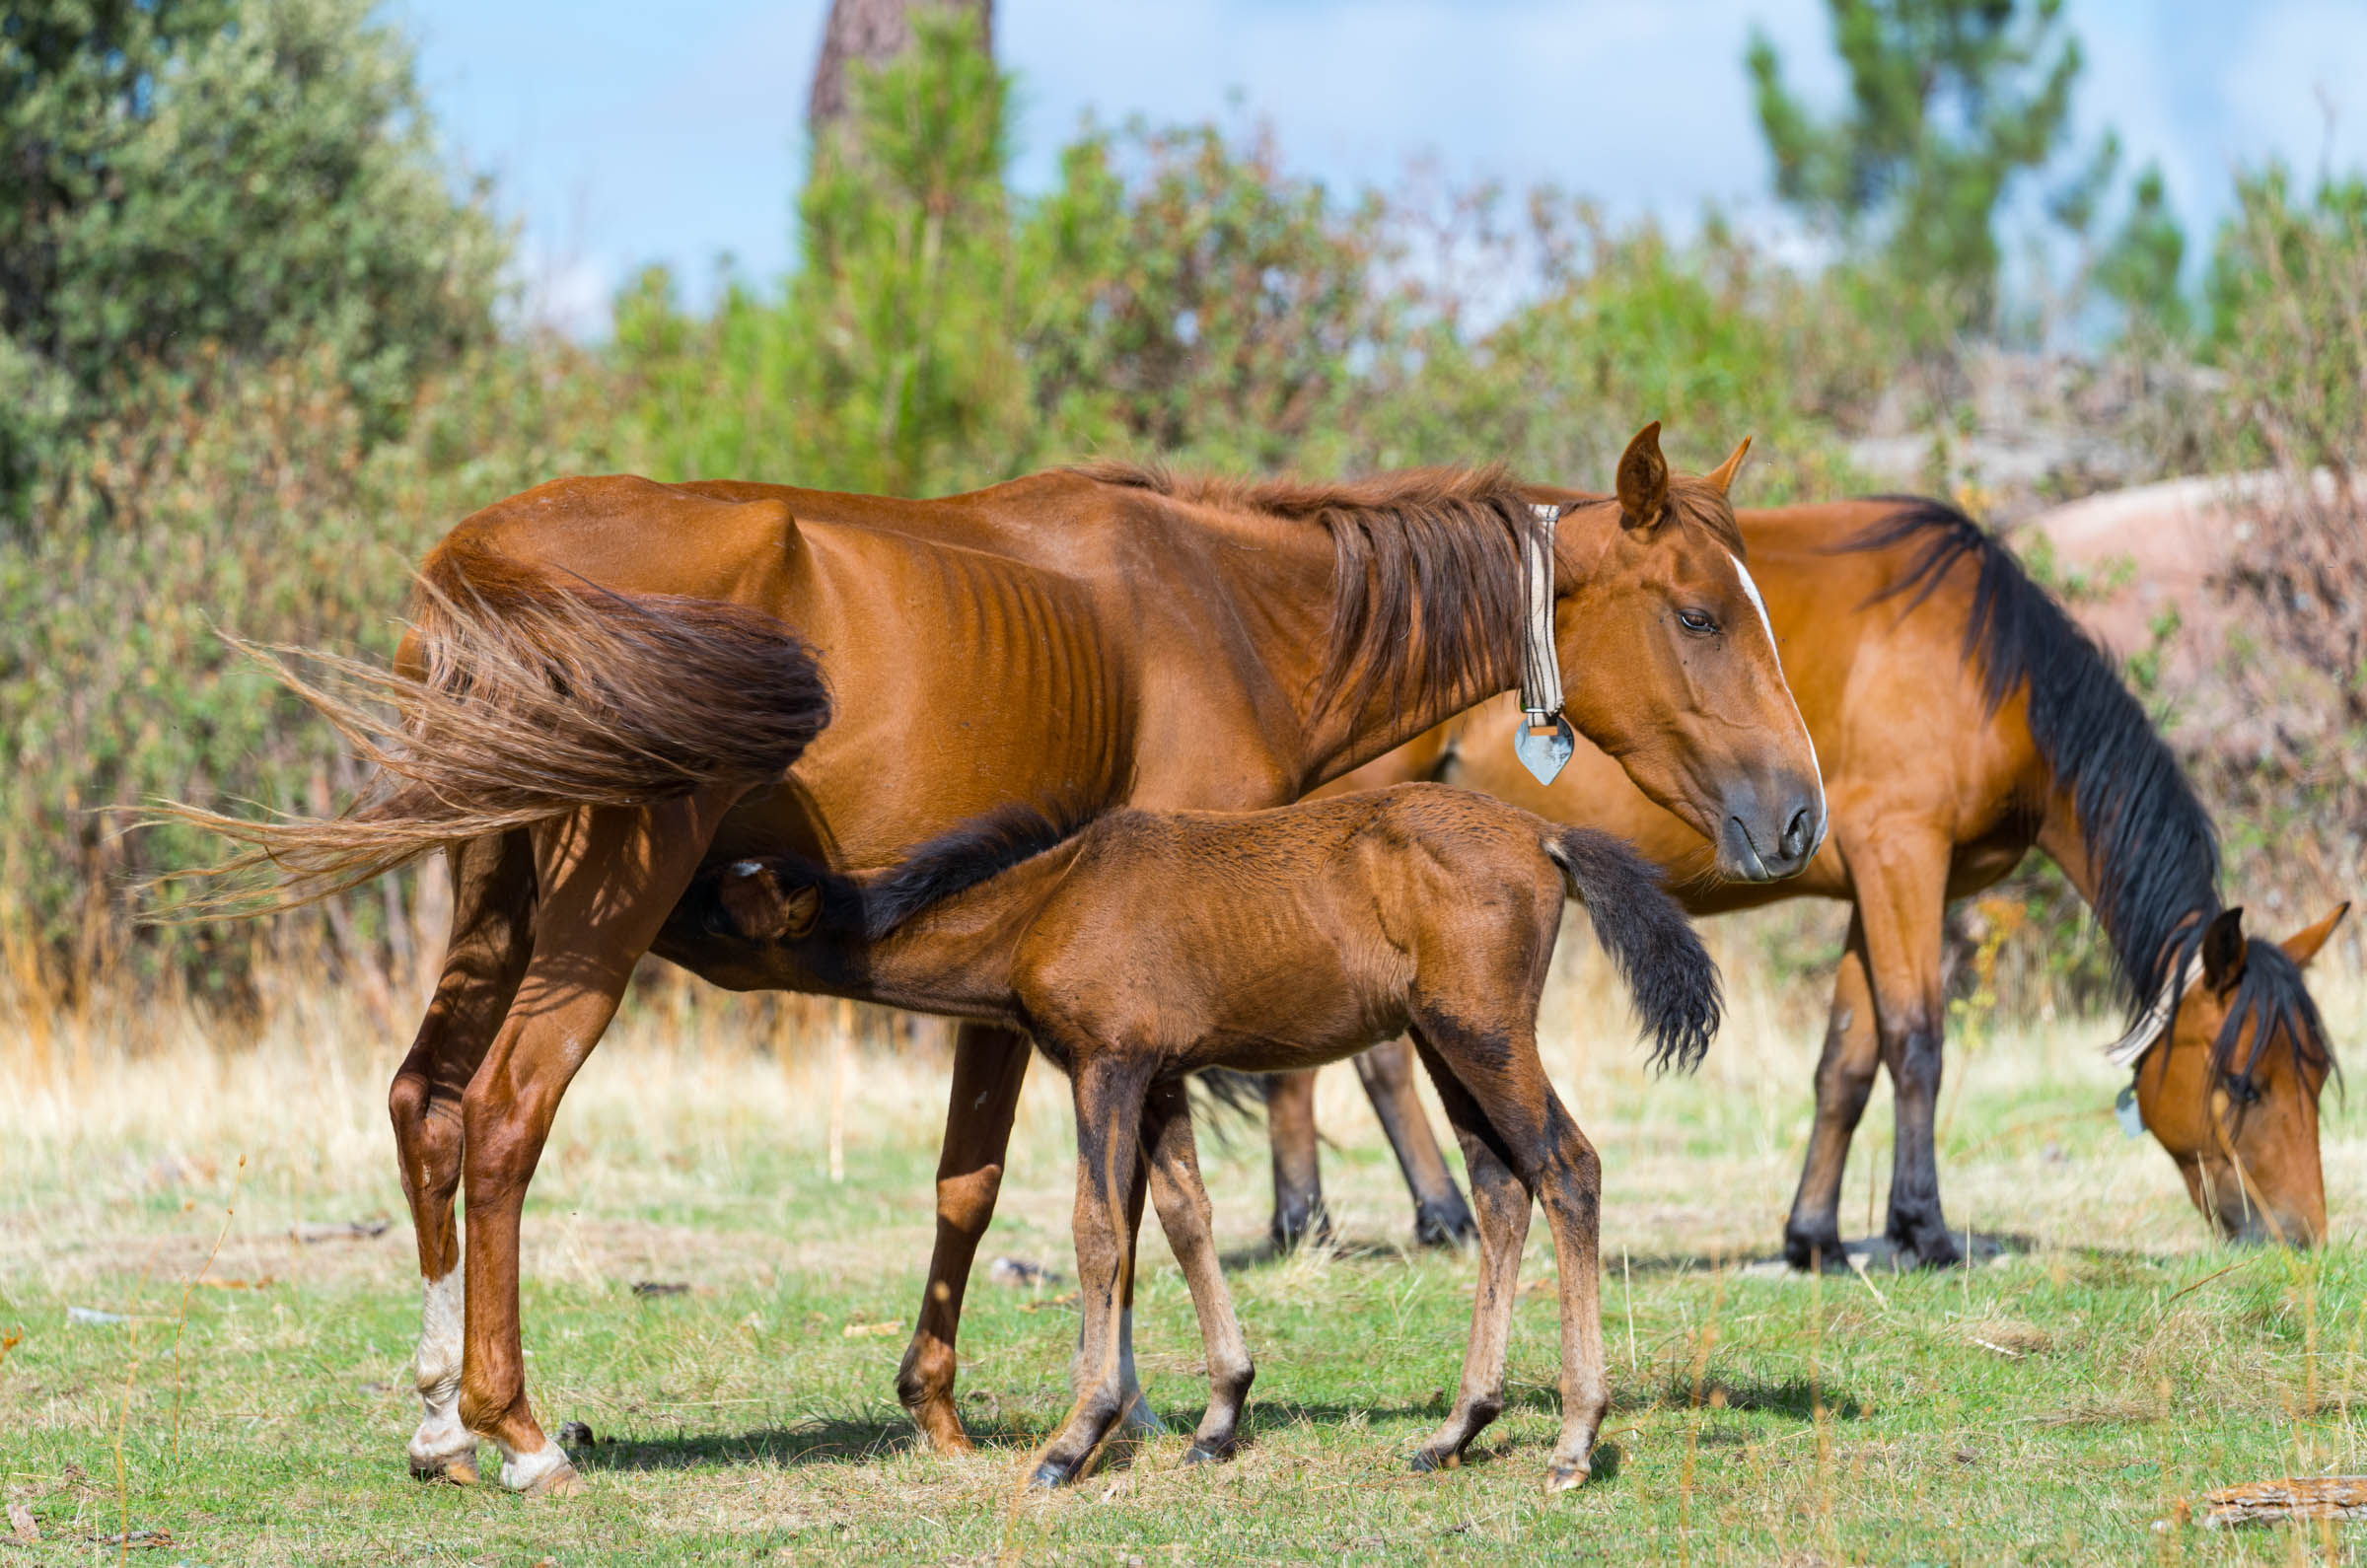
[1146, 945]
[611, 683]
[1962, 718]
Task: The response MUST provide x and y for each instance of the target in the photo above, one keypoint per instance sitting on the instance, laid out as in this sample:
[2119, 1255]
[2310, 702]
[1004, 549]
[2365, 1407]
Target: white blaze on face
[1750, 591]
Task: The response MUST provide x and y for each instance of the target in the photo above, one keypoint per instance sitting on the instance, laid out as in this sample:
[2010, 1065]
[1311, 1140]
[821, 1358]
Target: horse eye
[1697, 622]
[2242, 1090]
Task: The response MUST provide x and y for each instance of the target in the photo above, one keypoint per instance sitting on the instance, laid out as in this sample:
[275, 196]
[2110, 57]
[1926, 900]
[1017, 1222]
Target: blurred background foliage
[255, 355]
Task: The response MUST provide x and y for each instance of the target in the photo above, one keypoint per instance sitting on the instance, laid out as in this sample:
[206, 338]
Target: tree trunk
[873, 31]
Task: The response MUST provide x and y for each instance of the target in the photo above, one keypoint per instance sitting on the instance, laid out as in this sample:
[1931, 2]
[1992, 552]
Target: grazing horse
[1150, 945]
[1962, 718]
[612, 682]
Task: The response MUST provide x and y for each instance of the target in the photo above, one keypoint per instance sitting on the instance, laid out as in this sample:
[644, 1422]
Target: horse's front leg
[990, 1065]
[1299, 1214]
[1440, 1216]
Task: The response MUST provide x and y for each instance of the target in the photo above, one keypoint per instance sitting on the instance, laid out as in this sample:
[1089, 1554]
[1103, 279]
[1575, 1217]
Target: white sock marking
[442, 1313]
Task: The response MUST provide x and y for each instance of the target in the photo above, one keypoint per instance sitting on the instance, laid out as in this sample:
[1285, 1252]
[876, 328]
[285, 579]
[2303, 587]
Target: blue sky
[620, 133]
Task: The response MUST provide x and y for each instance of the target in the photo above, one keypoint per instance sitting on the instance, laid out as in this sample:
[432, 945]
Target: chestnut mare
[1960, 717]
[1146, 945]
[612, 682]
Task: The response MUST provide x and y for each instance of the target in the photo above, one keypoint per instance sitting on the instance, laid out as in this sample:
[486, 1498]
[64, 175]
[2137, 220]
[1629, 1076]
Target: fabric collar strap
[1544, 742]
[2130, 1048]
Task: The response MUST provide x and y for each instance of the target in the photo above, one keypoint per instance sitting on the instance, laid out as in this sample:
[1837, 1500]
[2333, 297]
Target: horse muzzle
[1760, 845]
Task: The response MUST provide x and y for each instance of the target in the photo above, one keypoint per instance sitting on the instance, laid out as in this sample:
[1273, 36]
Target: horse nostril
[1797, 835]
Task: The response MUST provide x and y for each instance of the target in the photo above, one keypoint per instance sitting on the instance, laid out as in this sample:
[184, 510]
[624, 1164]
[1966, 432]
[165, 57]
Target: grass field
[2049, 1406]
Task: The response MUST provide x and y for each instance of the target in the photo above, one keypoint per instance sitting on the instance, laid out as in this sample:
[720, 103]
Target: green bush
[190, 177]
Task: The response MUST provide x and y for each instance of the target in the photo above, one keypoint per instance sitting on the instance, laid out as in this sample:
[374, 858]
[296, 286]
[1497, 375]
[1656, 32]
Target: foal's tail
[517, 698]
[1657, 952]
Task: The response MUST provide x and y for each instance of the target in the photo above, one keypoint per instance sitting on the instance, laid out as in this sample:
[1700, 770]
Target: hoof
[1427, 1461]
[1049, 1476]
[1442, 1226]
[1140, 1420]
[453, 1470]
[1210, 1452]
[1305, 1228]
[1803, 1249]
[561, 1483]
[1562, 1477]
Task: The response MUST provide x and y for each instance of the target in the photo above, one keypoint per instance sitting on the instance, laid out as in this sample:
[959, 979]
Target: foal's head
[2230, 1088]
[1671, 664]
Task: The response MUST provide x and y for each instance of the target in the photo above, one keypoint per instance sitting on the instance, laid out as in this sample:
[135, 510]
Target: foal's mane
[2150, 844]
[1433, 550]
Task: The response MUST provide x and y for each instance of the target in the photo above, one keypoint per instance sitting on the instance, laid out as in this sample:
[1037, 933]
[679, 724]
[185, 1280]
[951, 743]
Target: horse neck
[1339, 743]
[2060, 837]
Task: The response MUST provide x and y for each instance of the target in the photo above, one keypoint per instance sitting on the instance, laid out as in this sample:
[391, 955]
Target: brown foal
[1963, 719]
[613, 682]
[1151, 945]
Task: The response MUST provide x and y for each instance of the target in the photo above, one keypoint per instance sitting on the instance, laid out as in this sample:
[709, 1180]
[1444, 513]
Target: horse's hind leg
[1440, 1216]
[1502, 1206]
[1183, 1213]
[1299, 1214]
[493, 886]
[1844, 1078]
[605, 878]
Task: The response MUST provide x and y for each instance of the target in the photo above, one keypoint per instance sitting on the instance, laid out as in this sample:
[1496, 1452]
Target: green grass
[2049, 1407]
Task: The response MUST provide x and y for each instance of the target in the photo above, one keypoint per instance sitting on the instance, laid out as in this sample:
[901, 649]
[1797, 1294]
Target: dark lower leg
[1109, 1101]
[1298, 1178]
[1811, 1236]
[1441, 1218]
[1916, 1223]
[989, 1067]
[1183, 1213]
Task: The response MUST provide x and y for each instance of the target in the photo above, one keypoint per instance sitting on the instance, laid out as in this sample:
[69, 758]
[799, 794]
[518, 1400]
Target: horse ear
[2223, 951]
[2302, 946]
[1723, 477]
[1643, 479]
[800, 910]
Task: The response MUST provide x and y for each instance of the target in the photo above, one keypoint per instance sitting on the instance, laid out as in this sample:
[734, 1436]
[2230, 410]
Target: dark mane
[1433, 549]
[2269, 995]
[2151, 846]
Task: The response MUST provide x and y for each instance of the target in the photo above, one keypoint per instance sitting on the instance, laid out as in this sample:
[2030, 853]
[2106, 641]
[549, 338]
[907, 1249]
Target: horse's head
[2231, 1086]
[1671, 662]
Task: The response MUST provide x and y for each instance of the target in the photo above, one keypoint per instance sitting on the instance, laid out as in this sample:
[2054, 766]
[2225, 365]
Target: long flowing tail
[1655, 949]
[516, 699]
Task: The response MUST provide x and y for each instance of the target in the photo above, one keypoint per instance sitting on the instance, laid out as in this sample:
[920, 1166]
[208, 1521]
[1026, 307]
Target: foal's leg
[1440, 1216]
[1108, 1098]
[1506, 1087]
[1502, 1203]
[1901, 896]
[1299, 1214]
[989, 1067]
[492, 895]
[1844, 1078]
[1183, 1213]
[607, 876]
